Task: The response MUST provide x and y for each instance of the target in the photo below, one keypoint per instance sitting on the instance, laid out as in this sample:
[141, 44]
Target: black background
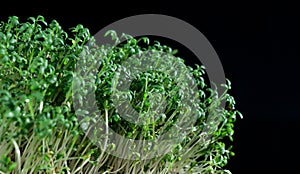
[258, 45]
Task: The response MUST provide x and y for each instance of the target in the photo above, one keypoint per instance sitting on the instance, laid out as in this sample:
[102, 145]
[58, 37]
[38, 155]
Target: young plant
[42, 132]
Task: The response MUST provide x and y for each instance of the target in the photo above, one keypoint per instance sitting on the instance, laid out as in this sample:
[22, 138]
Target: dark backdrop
[259, 48]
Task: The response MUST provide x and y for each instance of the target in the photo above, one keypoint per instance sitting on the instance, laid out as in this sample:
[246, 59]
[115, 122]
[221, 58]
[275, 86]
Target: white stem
[18, 154]
[82, 165]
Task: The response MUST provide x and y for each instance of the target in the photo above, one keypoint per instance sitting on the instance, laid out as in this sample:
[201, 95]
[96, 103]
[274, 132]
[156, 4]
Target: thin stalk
[18, 154]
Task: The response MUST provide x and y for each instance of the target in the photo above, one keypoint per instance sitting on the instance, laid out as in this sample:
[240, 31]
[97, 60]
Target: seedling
[41, 132]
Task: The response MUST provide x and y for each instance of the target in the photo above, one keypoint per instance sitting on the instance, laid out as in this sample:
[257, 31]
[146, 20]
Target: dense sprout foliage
[41, 133]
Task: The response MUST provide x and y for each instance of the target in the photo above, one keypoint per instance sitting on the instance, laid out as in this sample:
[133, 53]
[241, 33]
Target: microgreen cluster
[41, 132]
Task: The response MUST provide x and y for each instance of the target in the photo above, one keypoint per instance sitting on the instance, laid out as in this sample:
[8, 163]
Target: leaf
[145, 40]
[4, 59]
[12, 167]
[14, 20]
[32, 19]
